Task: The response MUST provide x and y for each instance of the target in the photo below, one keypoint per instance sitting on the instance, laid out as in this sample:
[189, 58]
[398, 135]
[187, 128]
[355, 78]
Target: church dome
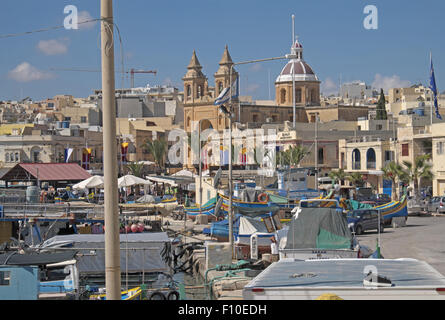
[297, 67]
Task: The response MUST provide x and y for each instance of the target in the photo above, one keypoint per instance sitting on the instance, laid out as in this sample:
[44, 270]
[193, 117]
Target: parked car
[362, 220]
[436, 204]
[415, 206]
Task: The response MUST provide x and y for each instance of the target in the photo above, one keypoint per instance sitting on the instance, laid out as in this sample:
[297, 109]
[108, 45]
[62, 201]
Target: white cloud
[386, 83]
[256, 67]
[251, 88]
[53, 46]
[328, 87]
[84, 16]
[25, 72]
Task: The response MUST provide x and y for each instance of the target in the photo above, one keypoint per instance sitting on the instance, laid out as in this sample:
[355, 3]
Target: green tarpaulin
[321, 228]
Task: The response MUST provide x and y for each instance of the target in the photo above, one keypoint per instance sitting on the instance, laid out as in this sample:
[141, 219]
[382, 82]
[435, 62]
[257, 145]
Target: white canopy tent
[162, 180]
[91, 182]
[130, 180]
[184, 173]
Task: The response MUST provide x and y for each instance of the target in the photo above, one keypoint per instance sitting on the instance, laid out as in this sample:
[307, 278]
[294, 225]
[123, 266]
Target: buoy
[127, 229]
[134, 228]
[141, 227]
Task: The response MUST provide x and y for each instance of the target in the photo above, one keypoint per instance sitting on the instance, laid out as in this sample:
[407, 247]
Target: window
[5, 278]
[199, 92]
[189, 91]
[379, 127]
[320, 156]
[255, 118]
[7, 157]
[220, 87]
[405, 150]
[67, 119]
[83, 119]
[439, 148]
[17, 157]
[283, 95]
[298, 95]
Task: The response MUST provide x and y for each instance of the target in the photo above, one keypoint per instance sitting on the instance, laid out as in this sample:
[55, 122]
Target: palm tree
[420, 169]
[292, 156]
[158, 149]
[394, 172]
[135, 168]
[297, 154]
[356, 179]
[338, 176]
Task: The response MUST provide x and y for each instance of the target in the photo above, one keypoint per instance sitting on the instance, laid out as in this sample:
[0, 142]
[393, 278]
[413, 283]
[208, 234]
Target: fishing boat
[131, 294]
[35, 275]
[251, 208]
[347, 279]
[388, 210]
[320, 233]
[211, 208]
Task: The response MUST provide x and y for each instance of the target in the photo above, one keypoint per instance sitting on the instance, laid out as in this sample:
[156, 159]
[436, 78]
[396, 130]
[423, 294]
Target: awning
[46, 172]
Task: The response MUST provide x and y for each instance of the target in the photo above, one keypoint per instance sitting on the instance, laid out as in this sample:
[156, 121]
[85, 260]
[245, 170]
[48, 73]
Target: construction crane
[133, 71]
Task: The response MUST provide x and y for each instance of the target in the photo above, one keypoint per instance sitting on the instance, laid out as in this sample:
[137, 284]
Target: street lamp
[229, 115]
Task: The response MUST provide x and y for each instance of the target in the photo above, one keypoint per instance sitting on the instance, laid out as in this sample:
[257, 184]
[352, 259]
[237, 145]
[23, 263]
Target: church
[199, 97]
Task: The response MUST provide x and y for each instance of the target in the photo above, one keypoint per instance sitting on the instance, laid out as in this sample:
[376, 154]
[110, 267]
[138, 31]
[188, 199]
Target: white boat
[347, 279]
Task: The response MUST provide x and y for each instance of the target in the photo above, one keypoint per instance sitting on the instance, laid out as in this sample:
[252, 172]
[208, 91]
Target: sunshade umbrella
[146, 199]
[91, 182]
[130, 180]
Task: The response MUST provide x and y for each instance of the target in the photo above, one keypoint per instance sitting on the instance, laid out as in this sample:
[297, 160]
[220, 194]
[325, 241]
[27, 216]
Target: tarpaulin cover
[354, 205]
[139, 251]
[321, 228]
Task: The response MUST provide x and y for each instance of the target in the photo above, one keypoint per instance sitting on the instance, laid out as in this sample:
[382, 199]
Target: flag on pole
[68, 153]
[433, 88]
[224, 96]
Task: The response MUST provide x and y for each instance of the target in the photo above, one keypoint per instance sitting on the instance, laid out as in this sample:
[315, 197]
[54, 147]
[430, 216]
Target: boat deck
[347, 273]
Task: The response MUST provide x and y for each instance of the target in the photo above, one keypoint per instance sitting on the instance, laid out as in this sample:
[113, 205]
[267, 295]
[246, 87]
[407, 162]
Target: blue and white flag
[224, 96]
[433, 88]
[68, 152]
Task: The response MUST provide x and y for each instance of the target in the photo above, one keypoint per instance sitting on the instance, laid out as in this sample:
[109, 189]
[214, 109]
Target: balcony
[356, 165]
[370, 165]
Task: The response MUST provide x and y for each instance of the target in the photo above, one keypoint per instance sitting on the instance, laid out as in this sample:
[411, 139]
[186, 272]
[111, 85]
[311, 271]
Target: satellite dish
[217, 178]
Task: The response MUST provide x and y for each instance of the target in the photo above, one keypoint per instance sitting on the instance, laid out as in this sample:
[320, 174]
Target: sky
[161, 36]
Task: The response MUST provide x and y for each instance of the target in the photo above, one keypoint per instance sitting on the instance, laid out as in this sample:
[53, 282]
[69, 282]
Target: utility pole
[112, 243]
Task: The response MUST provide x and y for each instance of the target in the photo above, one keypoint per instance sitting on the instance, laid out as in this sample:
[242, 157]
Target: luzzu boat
[131, 294]
[388, 210]
[251, 209]
[394, 208]
[210, 208]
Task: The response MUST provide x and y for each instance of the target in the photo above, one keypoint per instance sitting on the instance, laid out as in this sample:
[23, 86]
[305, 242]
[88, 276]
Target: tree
[292, 156]
[381, 109]
[356, 179]
[418, 170]
[338, 176]
[158, 149]
[394, 172]
[135, 168]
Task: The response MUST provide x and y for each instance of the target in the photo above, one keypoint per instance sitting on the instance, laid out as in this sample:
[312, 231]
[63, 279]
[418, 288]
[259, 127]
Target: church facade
[199, 97]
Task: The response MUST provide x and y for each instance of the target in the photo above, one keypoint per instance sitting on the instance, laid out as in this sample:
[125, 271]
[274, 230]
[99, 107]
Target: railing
[370, 165]
[356, 166]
